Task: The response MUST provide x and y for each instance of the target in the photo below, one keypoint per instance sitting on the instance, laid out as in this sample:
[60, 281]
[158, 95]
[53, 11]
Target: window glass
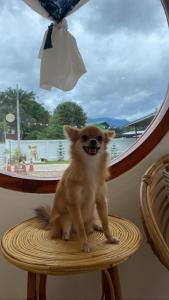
[125, 48]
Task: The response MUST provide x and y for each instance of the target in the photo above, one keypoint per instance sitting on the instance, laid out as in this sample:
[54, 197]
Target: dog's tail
[43, 215]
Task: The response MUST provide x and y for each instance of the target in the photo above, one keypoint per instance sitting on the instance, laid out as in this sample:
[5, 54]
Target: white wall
[142, 276]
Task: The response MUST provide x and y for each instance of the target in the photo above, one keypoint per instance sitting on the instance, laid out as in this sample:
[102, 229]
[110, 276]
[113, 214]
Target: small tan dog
[81, 189]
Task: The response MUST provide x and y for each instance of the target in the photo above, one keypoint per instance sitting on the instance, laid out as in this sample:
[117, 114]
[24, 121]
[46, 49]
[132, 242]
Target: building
[137, 127]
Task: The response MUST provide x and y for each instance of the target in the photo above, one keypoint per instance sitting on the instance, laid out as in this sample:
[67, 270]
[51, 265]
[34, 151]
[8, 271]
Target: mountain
[113, 122]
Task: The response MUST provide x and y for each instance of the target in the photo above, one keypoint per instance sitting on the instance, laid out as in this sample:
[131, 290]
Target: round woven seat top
[30, 248]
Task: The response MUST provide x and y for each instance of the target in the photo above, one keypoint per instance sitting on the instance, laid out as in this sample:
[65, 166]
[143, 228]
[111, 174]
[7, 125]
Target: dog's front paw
[65, 236]
[113, 240]
[86, 248]
[98, 227]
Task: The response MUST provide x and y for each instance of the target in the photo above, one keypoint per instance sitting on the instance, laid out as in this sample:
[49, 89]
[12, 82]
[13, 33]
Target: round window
[125, 49]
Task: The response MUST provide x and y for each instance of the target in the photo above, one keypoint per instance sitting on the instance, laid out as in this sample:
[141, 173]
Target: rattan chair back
[155, 209]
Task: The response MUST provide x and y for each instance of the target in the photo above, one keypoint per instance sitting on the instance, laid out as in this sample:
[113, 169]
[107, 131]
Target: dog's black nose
[93, 142]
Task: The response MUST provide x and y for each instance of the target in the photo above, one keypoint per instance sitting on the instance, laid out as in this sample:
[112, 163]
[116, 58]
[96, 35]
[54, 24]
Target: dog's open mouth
[91, 150]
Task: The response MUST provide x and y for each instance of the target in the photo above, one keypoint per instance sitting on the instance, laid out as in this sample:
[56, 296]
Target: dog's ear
[108, 135]
[71, 133]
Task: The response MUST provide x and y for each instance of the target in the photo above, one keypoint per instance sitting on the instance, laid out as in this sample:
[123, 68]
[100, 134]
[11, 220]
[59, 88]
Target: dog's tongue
[92, 150]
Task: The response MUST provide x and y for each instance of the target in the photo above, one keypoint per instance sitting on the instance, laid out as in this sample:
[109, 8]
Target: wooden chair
[154, 200]
[30, 248]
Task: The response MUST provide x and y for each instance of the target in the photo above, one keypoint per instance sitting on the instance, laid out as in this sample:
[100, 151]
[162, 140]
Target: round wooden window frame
[152, 136]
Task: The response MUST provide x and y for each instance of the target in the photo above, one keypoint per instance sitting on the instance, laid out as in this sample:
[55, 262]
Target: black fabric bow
[57, 10]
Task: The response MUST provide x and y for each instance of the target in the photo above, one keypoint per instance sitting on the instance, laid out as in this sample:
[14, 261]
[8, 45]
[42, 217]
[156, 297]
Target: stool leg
[111, 284]
[42, 287]
[31, 286]
[114, 274]
[36, 288]
[107, 286]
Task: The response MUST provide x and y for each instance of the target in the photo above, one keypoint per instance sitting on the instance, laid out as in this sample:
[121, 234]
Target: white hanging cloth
[61, 65]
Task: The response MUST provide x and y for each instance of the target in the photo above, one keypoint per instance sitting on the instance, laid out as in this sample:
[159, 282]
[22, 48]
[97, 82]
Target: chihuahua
[82, 189]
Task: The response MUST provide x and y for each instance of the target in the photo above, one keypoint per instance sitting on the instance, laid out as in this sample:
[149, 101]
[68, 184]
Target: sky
[124, 44]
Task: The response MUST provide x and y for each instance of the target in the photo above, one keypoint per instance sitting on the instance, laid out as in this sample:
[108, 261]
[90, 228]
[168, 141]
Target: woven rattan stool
[29, 248]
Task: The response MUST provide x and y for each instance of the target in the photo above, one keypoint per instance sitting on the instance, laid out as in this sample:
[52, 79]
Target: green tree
[53, 131]
[33, 116]
[60, 151]
[69, 113]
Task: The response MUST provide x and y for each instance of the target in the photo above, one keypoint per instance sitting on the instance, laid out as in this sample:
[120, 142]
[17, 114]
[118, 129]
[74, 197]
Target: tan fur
[82, 189]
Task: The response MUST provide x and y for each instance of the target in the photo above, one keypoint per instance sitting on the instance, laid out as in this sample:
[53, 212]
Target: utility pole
[4, 124]
[18, 118]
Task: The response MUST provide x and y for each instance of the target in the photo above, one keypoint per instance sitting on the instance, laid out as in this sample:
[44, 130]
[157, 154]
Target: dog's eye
[84, 138]
[100, 138]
